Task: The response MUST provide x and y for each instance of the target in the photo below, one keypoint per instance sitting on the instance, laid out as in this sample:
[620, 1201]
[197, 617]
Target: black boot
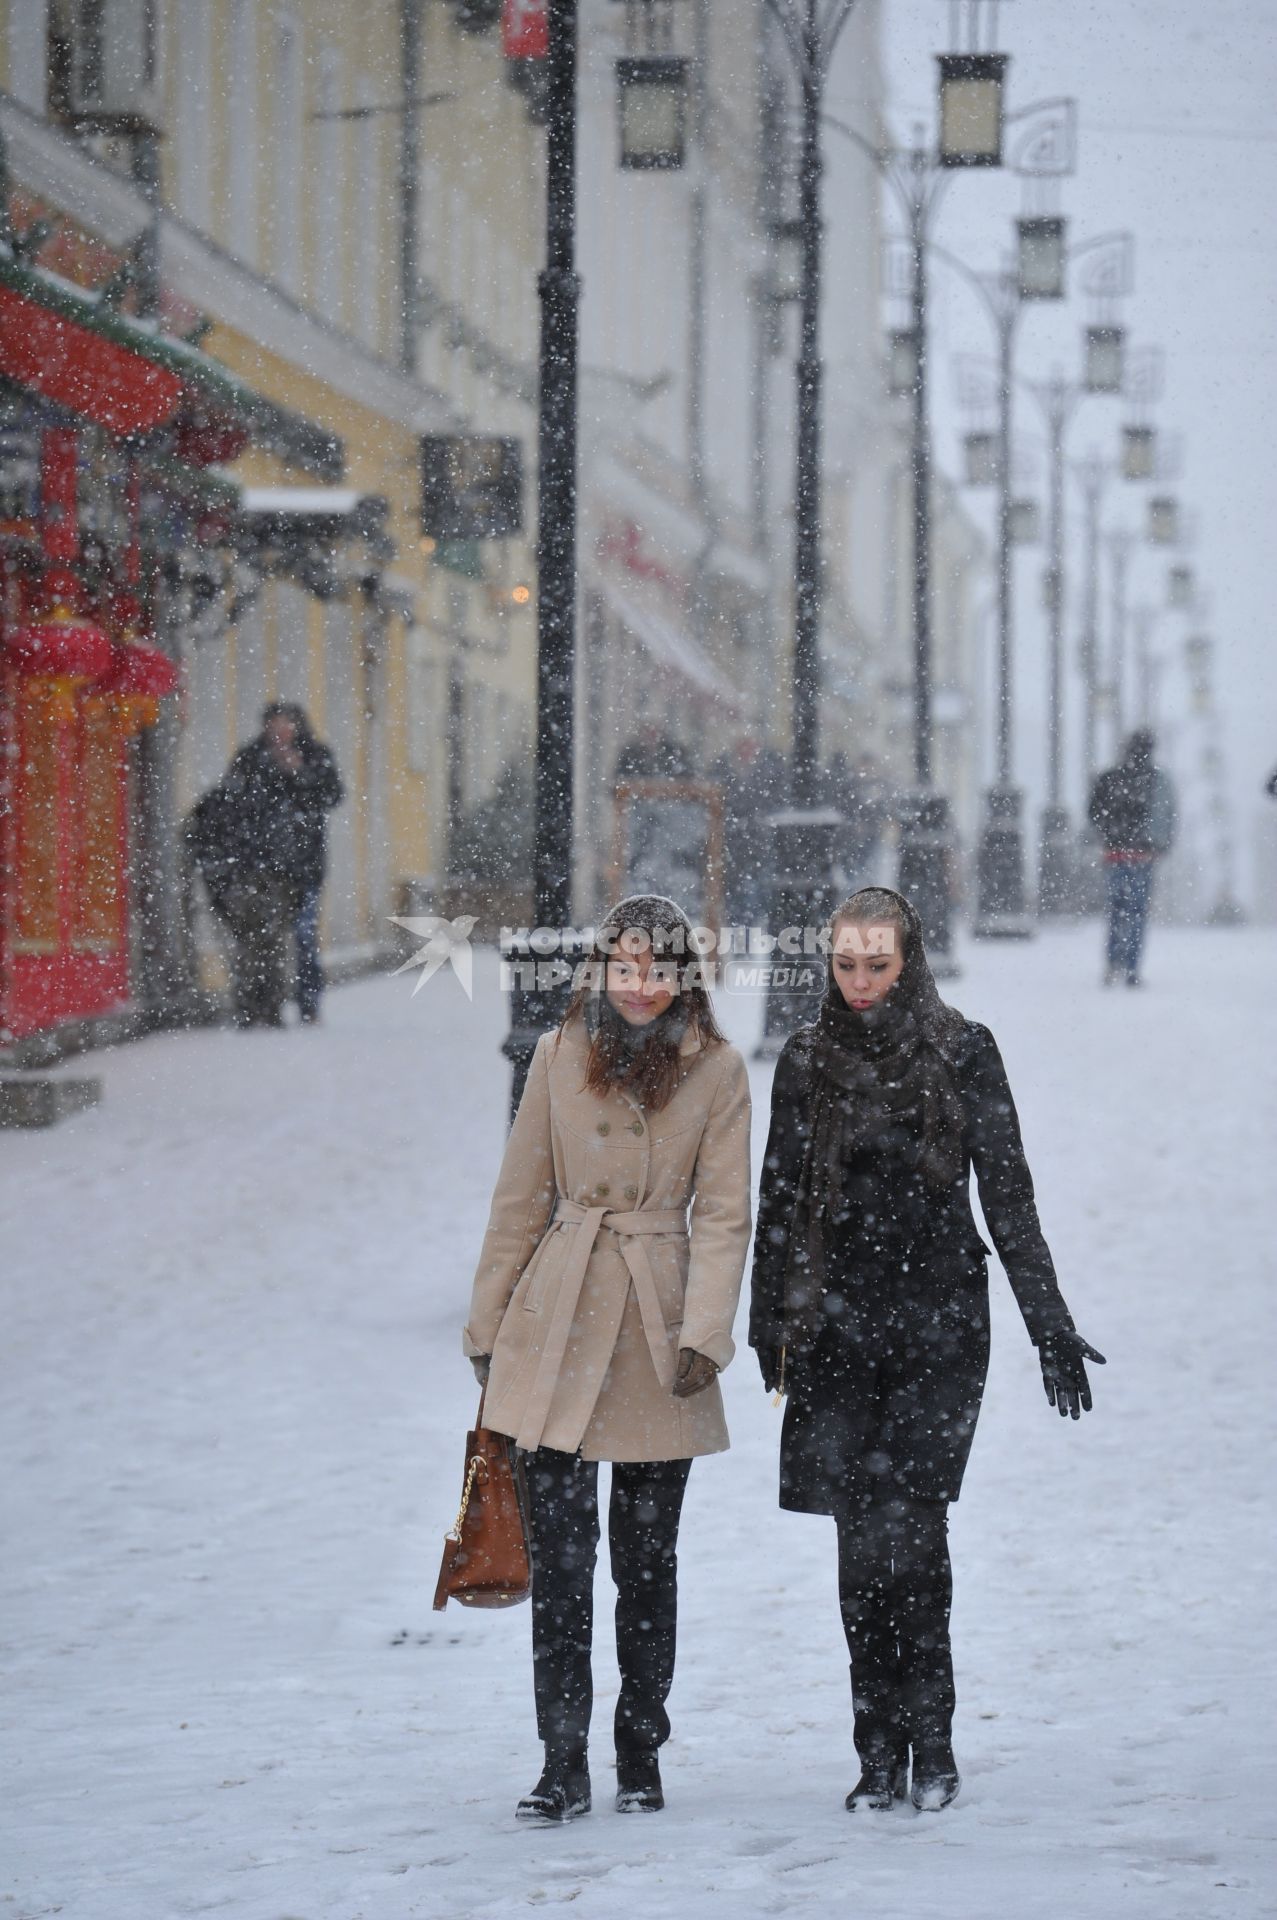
[935, 1776]
[562, 1792]
[881, 1742]
[638, 1783]
[881, 1784]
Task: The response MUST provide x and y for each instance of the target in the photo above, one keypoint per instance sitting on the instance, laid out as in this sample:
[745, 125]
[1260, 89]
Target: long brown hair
[649, 1072]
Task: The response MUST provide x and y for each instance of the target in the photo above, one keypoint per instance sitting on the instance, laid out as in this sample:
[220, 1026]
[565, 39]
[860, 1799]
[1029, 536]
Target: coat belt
[630, 1229]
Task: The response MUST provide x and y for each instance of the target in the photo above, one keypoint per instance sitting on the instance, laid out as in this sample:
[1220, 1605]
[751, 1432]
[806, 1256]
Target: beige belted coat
[589, 1282]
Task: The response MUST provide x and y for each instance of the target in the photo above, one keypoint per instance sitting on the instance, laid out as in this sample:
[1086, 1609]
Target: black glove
[696, 1371]
[771, 1365]
[1063, 1356]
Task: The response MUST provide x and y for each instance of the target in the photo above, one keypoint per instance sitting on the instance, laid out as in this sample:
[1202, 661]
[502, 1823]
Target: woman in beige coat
[600, 1323]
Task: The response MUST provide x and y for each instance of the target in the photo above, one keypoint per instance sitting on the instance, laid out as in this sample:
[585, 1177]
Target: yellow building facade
[283, 197]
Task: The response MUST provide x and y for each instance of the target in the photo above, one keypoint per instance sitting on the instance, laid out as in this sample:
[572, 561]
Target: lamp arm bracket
[1121, 243]
[1001, 310]
[1047, 151]
[812, 73]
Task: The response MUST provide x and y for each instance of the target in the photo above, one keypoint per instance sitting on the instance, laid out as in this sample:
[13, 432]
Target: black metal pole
[1089, 874]
[560, 291]
[926, 853]
[1006, 374]
[921, 466]
[1092, 491]
[1000, 862]
[540, 986]
[807, 493]
[409, 181]
[1121, 554]
[1055, 864]
[145, 169]
[1055, 597]
[804, 838]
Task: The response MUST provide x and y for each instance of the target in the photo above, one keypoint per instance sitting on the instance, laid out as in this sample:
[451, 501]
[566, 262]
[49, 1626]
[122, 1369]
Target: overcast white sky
[1178, 143]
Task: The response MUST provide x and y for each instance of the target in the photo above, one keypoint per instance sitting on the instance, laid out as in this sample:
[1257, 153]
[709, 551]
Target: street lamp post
[535, 1007]
[1055, 861]
[1092, 474]
[971, 121]
[804, 835]
[1000, 911]
[1093, 477]
[1042, 153]
[1109, 277]
[1000, 864]
[926, 852]
[652, 88]
[1120, 544]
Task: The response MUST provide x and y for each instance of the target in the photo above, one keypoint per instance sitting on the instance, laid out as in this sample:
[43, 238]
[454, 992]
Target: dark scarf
[875, 1074]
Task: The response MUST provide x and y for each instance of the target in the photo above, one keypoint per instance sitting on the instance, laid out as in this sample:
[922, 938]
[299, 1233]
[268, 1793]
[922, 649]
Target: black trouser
[896, 1587]
[563, 1512]
[259, 913]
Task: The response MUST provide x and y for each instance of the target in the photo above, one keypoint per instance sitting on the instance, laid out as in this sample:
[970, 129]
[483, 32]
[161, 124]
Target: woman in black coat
[870, 1311]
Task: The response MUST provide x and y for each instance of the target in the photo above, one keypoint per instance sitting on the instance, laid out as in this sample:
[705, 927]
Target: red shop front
[80, 678]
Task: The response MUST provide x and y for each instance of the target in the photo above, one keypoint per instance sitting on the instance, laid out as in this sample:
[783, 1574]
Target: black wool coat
[884, 1394]
[277, 820]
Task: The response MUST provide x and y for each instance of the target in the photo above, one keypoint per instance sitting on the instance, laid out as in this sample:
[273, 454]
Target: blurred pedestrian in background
[317, 790]
[259, 839]
[1132, 807]
[654, 755]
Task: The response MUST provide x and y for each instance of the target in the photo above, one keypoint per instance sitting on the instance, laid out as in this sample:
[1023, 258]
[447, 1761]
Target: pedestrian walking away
[258, 838]
[600, 1323]
[870, 1312]
[317, 790]
[1132, 807]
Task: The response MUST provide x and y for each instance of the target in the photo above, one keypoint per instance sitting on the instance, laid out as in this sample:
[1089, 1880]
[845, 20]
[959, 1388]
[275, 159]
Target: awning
[297, 530]
[60, 341]
[301, 503]
[671, 648]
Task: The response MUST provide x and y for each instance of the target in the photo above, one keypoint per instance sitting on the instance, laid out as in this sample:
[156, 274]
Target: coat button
[603, 1189]
[631, 1193]
[605, 1126]
[636, 1126]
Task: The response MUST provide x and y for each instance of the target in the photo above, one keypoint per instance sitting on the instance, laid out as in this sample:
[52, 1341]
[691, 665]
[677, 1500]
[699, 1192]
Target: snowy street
[234, 1406]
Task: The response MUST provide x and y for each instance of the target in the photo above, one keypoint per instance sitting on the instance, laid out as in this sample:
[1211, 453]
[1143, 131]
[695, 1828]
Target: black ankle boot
[881, 1784]
[638, 1783]
[935, 1776]
[562, 1792]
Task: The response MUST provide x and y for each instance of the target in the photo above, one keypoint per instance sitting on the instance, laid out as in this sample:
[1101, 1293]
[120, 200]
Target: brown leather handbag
[485, 1554]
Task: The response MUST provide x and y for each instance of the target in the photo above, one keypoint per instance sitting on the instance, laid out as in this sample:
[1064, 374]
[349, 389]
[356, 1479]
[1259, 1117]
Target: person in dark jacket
[1132, 807]
[258, 838]
[870, 1311]
[318, 790]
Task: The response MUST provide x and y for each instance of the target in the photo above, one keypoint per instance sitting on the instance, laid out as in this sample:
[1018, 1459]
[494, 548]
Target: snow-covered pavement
[233, 1407]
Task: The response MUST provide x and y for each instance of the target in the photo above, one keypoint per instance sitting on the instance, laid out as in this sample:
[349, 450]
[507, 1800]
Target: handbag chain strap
[471, 1473]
